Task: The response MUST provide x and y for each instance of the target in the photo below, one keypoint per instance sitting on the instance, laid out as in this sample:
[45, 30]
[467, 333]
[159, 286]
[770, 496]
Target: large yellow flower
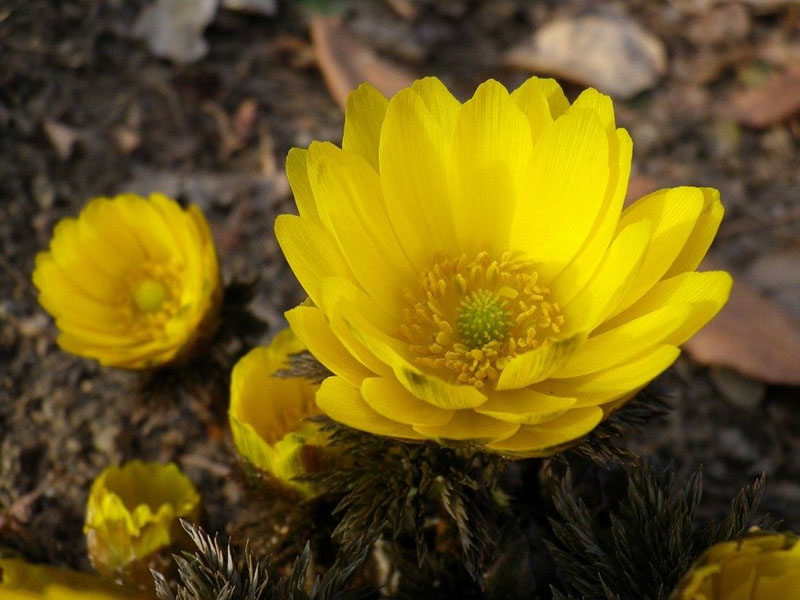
[473, 275]
[134, 511]
[20, 580]
[761, 566]
[268, 414]
[132, 282]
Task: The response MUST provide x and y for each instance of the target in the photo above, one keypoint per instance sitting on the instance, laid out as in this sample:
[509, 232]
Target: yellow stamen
[471, 316]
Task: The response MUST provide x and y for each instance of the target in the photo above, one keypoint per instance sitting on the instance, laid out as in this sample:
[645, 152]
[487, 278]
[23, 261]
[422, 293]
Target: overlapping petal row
[472, 274]
[760, 566]
[268, 414]
[132, 282]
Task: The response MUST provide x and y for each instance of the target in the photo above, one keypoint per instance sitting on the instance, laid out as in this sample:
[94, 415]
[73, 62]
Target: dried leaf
[753, 336]
[612, 53]
[346, 63]
[776, 101]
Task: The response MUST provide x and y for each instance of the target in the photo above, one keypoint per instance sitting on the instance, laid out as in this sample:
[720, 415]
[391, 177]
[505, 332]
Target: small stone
[43, 191]
[173, 29]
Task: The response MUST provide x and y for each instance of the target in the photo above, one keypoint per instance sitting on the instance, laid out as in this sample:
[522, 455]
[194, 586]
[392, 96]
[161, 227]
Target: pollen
[469, 316]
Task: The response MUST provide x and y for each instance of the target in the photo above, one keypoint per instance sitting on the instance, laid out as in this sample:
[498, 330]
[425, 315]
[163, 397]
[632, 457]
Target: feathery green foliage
[213, 573]
[427, 495]
[640, 548]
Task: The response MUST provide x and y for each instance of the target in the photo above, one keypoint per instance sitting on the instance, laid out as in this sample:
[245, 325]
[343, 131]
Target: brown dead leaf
[752, 335]
[244, 118]
[776, 101]
[346, 63]
[612, 53]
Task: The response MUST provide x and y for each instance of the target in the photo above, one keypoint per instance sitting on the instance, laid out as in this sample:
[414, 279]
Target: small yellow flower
[267, 414]
[760, 566]
[474, 277]
[20, 580]
[132, 282]
[134, 510]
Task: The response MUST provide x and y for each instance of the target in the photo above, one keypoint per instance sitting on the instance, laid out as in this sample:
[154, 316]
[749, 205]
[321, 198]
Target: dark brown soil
[71, 68]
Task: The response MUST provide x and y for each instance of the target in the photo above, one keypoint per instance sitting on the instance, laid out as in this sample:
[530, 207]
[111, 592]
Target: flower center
[470, 316]
[149, 295]
[482, 318]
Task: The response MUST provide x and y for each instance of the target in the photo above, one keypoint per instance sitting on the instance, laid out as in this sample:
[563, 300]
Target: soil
[87, 110]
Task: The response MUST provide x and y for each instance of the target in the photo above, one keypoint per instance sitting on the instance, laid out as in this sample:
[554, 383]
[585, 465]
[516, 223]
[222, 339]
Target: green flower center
[483, 318]
[150, 295]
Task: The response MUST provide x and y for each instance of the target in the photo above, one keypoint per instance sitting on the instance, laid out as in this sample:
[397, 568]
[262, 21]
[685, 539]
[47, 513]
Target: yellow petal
[612, 279]
[467, 425]
[548, 438]
[624, 342]
[426, 387]
[556, 100]
[390, 399]
[443, 105]
[705, 293]
[363, 117]
[564, 190]
[593, 100]
[532, 102]
[413, 154]
[525, 406]
[672, 215]
[80, 264]
[310, 251]
[536, 365]
[491, 150]
[701, 236]
[338, 292]
[602, 386]
[350, 203]
[583, 265]
[297, 173]
[342, 402]
[310, 325]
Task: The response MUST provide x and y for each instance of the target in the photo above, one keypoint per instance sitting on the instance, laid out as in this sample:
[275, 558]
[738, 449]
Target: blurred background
[201, 99]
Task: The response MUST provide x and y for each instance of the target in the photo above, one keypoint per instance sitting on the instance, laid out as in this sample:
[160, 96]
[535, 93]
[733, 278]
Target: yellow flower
[761, 566]
[132, 282]
[267, 414]
[134, 510]
[20, 580]
[473, 275]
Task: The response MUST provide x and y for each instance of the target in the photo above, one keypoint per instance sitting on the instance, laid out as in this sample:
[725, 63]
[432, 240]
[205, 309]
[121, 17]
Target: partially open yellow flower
[132, 282]
[761, 566]
[20, 580]
[268, 413]
[134, 510]
[473, 275]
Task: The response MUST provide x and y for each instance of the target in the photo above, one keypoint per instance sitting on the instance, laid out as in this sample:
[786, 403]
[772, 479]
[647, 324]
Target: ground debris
[578, 49]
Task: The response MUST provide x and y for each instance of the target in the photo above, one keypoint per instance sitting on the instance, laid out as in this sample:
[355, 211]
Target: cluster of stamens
[472, 315]
[148, 298]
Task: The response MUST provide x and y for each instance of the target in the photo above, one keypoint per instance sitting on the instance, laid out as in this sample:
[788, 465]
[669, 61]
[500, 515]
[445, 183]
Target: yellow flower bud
[20, 580]
[132, 282]
[133, 511]
[267, 414]
[760, 566]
